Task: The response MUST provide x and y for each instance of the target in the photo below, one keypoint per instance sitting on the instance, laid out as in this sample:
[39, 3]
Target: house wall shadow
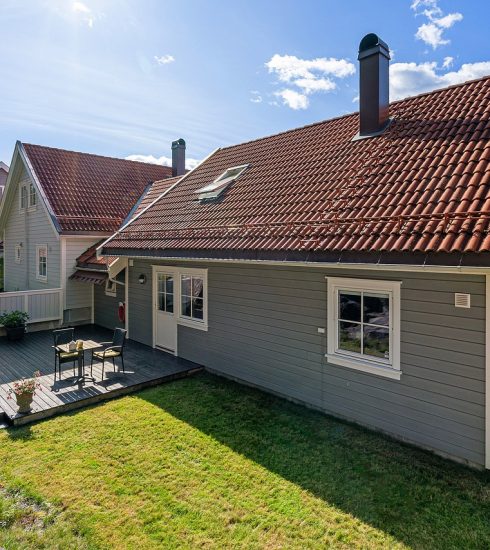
[403, 491]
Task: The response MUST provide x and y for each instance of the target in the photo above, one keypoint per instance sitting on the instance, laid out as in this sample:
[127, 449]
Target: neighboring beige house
[55, 206]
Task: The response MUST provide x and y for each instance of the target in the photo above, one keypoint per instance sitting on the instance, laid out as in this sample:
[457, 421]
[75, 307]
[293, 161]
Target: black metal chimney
[178, 157]
[374, 59]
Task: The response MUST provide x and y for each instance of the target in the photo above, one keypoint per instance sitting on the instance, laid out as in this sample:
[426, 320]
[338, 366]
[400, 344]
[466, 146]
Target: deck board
[144, 367]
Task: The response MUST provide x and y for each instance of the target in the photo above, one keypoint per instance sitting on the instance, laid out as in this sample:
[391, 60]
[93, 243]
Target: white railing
[41, 305]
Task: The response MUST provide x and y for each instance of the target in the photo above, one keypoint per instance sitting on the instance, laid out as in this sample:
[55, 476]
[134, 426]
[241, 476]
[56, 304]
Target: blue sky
[126, 77]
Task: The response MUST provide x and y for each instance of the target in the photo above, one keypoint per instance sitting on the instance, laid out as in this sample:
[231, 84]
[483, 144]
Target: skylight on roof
[214, 190]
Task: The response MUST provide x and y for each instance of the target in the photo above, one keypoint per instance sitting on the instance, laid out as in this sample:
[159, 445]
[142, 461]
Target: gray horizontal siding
[263, 325]
[31, 228]
[106, 307]
[140, 314]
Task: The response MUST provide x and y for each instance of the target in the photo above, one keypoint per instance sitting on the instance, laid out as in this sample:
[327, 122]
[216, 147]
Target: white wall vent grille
[462, 300]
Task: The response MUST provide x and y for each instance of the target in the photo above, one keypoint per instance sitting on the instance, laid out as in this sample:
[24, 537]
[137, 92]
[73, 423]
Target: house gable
[25, 230]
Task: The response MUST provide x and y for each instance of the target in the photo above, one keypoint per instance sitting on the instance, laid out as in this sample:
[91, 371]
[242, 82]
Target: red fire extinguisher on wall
[121, 312]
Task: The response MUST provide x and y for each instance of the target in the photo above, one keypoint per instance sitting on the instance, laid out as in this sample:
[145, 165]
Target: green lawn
[206, 463]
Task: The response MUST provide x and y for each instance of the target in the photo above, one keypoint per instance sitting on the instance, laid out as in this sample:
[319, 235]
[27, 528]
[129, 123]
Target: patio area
[144, 367]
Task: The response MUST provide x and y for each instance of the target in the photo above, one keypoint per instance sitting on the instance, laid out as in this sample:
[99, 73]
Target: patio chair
[63, 336]
[111, 350]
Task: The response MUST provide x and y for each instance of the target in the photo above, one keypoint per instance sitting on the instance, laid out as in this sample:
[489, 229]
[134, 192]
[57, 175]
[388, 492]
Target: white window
[32, 196]
[23, 197]
[214, 190]
[192, 297]
[110, 288]
[42, 263]
[364, 325]
[18, 254]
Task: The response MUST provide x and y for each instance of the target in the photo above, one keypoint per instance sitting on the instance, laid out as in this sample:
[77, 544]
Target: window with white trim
[110, 287]
[364, 325]
[42, 263]
[192, 297]
[32, 196]
[23, 197]
[221, 183]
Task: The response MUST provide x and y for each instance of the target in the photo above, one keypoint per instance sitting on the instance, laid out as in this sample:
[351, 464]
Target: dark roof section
[91, 193]
[421, 187]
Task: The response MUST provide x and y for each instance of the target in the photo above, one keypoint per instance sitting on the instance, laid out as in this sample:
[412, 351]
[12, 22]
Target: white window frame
[18, 254]
[110, 288]
[39, 277]
[189, 321]
[31, 191]
[23, 187]
[388, 368]
[213, 190]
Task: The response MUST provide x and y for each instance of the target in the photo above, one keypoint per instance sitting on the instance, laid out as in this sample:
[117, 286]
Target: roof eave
[348, 259]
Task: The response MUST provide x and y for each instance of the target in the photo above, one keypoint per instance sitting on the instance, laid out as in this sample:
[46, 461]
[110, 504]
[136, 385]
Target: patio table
[87, 345]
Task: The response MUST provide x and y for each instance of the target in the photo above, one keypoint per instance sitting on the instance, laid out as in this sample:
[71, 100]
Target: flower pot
[24, 401]
[15, 333]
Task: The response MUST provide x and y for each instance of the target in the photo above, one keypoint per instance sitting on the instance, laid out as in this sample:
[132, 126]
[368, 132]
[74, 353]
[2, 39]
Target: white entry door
[165, 314]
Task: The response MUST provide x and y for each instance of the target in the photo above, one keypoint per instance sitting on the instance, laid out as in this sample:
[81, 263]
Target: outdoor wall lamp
[142, 279]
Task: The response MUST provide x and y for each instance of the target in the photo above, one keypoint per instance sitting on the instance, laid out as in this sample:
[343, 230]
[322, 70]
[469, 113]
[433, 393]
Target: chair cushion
[110, 353]
[68, 355]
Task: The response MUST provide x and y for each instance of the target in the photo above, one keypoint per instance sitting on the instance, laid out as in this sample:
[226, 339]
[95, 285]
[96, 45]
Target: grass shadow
[418, 498]
[20, 433]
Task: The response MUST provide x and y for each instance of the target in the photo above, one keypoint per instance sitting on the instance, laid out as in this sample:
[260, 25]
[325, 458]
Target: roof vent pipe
[374, 59]
[178, 157]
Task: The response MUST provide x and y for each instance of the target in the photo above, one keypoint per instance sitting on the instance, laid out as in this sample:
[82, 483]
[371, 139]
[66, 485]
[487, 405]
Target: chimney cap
[178, 143]
[372, 43]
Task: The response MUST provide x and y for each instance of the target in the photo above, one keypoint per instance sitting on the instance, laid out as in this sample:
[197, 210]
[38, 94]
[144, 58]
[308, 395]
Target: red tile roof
[423, 185]
[89, 258]
[90, 192]
[154, 192]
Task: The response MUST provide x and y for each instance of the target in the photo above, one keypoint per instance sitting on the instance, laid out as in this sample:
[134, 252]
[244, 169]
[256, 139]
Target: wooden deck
[144, 367]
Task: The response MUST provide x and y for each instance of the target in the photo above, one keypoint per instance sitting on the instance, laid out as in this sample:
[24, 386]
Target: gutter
[470, 270]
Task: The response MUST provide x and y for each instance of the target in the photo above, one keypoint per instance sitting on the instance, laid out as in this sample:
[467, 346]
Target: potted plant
[14, 323]
[24, 391]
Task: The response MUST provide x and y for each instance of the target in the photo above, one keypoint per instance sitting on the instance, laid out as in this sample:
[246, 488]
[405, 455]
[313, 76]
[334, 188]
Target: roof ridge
[354, 113]
[94, 155]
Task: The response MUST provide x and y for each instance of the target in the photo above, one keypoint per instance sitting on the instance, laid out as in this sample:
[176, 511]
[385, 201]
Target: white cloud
[448, 62]
[84, 12]
[289, 67]
[164, 59]
[256, 97]
[293, 99]
[431, 34]
[163, 161]
[432, 31]
[308, 75]
[407, 79]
